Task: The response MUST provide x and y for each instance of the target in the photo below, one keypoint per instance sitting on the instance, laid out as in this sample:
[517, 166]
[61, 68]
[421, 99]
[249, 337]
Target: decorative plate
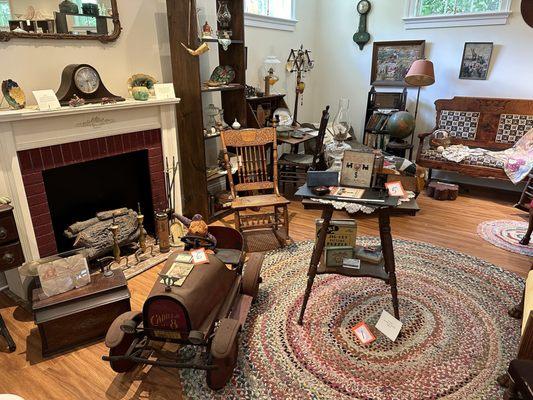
[285, 117]
[13, 94]
[223, 74]
[142, 80]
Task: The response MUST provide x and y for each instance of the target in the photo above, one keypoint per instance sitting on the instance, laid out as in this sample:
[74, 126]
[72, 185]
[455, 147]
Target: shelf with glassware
[186, 27]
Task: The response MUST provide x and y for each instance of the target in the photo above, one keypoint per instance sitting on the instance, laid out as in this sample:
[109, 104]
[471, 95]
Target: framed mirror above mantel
[59, 19]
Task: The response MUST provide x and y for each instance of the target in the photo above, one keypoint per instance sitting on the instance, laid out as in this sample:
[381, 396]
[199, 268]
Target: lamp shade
[421, 73]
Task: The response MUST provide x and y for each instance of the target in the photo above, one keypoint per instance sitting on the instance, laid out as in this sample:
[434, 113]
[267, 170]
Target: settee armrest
[424, 135]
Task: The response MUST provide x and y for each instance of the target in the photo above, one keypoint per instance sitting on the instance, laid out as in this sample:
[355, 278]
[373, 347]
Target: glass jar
[341, 132]
[223, 15]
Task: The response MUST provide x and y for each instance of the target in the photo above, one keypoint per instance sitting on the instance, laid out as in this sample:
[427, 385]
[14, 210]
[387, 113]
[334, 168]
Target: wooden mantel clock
[83, 81]
[362, 36]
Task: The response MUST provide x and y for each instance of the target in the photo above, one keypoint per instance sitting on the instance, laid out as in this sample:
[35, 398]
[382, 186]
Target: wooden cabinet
[11, 255]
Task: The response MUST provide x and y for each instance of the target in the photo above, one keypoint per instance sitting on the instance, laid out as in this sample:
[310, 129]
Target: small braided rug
[456, 340]
[506, 234]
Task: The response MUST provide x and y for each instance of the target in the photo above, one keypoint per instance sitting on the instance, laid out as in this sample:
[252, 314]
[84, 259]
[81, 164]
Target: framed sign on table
[391, 61]
[357, 169]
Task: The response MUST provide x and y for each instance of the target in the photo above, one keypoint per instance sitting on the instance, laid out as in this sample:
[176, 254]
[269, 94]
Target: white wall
[344, 71]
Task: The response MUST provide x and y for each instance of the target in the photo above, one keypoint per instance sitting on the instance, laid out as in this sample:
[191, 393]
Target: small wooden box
[82, 315]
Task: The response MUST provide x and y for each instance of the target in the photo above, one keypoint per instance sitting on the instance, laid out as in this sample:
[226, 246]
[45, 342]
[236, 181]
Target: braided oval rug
[456, 340]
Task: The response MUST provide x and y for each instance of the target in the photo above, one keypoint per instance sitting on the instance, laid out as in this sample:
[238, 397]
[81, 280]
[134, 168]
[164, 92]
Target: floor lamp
[420, 74]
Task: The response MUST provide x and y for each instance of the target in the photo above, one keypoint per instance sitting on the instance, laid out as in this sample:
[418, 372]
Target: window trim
[268, 22]
[412, 21]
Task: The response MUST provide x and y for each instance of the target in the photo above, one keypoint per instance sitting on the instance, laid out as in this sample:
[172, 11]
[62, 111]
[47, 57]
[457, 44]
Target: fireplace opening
[77, 192]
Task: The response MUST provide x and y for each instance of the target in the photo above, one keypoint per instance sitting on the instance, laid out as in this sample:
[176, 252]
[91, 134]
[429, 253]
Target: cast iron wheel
[218, 378]
[251, 276]
[122, 365]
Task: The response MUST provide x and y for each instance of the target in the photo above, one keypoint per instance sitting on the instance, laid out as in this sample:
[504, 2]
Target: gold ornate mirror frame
[111, 37]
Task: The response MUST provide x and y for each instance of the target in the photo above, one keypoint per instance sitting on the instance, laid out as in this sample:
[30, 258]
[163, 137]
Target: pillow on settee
[512, 127]
[460, 124]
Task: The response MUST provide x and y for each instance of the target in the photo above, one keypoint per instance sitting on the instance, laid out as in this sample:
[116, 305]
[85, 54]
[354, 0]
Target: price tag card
[363, 333]
[389, 326]
[199, 257]
[396, 189]
[46, 100]
[164, 91]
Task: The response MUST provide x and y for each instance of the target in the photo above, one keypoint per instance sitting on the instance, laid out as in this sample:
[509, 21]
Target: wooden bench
[489, 123]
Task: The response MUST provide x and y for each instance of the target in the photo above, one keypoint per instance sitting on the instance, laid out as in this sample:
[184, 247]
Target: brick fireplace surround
[34, 161]
[32, 141]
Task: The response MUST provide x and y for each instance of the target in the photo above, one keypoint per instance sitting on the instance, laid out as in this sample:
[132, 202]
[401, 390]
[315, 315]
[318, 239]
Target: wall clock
[362, 37]
[83, 81]
[527, 11]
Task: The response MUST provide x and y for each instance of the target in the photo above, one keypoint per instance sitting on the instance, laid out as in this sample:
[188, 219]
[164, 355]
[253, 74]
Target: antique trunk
[80, 316]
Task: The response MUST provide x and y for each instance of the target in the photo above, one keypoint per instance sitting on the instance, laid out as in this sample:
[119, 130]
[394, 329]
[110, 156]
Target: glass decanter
[341, 131]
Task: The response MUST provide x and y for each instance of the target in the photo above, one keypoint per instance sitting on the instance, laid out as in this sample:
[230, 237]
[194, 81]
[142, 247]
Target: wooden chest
[82, 315]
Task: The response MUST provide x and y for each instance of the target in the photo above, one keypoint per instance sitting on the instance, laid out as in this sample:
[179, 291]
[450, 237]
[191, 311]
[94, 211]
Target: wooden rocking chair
[251, 147]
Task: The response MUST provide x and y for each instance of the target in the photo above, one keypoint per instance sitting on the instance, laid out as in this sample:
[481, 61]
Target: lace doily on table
[353, 208]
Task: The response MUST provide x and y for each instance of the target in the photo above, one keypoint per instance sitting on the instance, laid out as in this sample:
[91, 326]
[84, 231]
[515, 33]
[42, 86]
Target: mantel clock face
[84, 81]
[87, 79]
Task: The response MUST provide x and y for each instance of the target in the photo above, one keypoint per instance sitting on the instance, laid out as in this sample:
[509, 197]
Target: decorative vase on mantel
[341, 131]
[223, 15]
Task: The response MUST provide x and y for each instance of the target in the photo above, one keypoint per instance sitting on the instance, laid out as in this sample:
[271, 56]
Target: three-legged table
[385, 271]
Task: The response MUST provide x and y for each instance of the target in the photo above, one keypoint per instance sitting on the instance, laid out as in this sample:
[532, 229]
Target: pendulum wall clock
[362, 37]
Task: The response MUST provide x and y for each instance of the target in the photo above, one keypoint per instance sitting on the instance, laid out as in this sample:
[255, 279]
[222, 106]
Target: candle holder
[143, 247]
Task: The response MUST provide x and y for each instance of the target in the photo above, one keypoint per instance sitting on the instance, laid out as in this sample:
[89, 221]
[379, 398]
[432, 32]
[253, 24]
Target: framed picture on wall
[476, 60]
[391, 61]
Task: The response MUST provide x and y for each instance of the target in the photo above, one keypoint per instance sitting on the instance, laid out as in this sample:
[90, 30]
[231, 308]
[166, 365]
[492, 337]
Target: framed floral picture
[391, 61]
[476, 61]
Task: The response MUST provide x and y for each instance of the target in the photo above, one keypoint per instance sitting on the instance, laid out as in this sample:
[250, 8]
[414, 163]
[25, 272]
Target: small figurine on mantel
[207, 31]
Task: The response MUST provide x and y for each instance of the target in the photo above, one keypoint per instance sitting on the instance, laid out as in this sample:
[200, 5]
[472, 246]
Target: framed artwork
[476, 60]
[391, 61]
[357, 169]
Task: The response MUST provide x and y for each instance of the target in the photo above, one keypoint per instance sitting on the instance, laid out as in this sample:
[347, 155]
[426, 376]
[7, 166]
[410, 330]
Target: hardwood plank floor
[83, 375]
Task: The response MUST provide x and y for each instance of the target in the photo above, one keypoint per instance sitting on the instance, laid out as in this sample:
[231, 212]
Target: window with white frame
[5, 14]
[447, 13]
[273, 14]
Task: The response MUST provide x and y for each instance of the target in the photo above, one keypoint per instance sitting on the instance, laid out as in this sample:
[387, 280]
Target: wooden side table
[385, 271]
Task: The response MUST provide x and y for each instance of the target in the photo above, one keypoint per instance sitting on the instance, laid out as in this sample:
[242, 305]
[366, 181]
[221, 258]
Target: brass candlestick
[142, 238]
[116, 259]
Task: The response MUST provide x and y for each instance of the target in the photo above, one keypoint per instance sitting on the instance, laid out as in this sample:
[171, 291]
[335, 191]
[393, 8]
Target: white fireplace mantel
[30, 128]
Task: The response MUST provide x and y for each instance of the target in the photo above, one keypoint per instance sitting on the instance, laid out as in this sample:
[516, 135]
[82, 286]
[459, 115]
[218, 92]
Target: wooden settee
[489, 123]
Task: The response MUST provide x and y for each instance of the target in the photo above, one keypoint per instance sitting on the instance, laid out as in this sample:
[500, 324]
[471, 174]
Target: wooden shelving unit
[188, 87]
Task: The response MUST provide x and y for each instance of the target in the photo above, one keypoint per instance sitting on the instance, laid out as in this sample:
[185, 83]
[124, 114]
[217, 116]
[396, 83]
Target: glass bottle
[223, 15]
[341, 131]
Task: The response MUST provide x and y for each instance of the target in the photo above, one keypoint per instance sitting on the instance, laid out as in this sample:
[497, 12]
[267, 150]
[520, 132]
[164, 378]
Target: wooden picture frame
[357, 169]
[477, 65]
[391, 61]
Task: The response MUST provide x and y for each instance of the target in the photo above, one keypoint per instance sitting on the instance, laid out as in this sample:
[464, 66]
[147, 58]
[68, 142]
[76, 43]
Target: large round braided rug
[456, 340]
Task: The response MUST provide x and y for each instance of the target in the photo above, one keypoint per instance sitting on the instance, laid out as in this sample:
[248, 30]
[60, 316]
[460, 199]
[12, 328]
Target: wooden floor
[82, 375]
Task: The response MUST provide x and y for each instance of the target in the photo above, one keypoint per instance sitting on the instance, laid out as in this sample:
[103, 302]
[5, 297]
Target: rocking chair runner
[251, 147]
[294, 167]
